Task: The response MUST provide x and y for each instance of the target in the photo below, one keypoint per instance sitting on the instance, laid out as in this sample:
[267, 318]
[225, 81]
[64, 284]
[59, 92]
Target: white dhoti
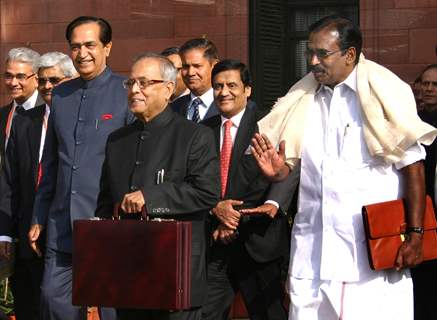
[387, 295]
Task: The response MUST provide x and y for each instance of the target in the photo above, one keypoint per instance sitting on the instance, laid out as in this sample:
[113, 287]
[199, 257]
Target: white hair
[166, 67]
[51, 59]
[24, 55]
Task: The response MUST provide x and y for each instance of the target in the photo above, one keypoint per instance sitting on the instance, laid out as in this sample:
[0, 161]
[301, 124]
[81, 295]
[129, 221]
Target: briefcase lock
[403, 237]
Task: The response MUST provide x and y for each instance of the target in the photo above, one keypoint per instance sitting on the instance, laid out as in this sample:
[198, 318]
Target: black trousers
[26, 287]
[131, 314]
[425, 295]
[231, 269]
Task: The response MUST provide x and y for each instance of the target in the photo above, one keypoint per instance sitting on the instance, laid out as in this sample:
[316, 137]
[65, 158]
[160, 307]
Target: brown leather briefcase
[385, 227]
[132, 264]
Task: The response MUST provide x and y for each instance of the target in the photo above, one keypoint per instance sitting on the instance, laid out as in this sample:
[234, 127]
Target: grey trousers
[56, 290]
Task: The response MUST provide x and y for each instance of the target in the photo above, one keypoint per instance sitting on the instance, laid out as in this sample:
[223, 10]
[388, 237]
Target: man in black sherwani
[182, 152]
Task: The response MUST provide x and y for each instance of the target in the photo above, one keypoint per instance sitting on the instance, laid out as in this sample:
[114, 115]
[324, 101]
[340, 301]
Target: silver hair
[24, 55]
[168, 70]
[51, 59]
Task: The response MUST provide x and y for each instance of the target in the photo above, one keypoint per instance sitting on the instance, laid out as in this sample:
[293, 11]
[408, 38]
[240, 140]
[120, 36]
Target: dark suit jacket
[5, 216]
[191, 186]
[181, 105]
[20, 173]
[4, 113]
[82, 115]
[431, 153]
[265, 239]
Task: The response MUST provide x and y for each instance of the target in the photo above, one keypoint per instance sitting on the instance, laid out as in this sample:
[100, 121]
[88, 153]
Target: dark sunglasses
[52, 80]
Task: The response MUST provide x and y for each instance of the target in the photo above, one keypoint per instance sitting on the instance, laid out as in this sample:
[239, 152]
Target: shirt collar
[30, 102]
[235, 119]
[97, 81]
[207, 98]
[350, 81]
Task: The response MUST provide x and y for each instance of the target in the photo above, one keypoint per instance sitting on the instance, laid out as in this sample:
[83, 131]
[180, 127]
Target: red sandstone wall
[138, 25]
[400, 34]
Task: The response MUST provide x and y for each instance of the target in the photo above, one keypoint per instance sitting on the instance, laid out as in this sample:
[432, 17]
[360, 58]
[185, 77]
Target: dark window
[277, 40]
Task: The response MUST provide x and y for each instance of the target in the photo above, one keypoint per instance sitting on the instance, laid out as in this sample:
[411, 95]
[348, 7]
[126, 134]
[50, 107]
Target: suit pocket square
[248, 150]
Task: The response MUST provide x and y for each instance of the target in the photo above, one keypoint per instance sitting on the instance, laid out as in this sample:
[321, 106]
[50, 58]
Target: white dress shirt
[30, 102]
[338, 177]
[235, 124]
[207, 99]
[44, 131]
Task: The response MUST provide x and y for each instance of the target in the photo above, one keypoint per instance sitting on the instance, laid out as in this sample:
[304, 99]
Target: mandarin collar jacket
[82, 115]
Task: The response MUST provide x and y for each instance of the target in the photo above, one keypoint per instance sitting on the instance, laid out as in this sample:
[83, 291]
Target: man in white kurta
[341, 170]
[338, 177]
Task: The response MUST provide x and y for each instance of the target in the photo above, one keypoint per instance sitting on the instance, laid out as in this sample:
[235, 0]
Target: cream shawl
[390, 121]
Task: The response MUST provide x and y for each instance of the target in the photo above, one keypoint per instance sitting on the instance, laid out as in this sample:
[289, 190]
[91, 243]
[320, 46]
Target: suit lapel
[185, 105]
[242, 141]
[180, 105]
[4, 114]
[212, 111]
[216, 129]
[34, 132]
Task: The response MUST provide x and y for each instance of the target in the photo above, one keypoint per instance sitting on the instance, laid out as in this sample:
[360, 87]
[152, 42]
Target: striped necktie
[195, 106]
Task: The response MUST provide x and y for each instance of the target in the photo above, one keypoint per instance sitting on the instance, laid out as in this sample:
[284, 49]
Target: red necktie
[225, 155]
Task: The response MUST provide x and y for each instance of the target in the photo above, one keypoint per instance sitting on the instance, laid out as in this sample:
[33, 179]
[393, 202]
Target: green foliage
[6, 305]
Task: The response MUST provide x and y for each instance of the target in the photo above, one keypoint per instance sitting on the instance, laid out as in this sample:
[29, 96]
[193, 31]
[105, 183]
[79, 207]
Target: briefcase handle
[117, 208]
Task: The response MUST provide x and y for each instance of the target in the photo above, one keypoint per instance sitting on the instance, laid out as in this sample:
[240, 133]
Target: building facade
[268, 34]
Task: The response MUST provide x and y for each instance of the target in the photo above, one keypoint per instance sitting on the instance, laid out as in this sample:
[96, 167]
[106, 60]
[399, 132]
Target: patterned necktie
[225, 155]
[195, 106]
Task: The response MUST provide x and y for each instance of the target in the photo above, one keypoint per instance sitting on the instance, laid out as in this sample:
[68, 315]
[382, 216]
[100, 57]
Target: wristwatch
[415, 230]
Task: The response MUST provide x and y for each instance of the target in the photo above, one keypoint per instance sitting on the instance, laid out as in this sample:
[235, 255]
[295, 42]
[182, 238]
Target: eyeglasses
[21, 77]
[142, 83]
[320, 53]
[53, 80]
